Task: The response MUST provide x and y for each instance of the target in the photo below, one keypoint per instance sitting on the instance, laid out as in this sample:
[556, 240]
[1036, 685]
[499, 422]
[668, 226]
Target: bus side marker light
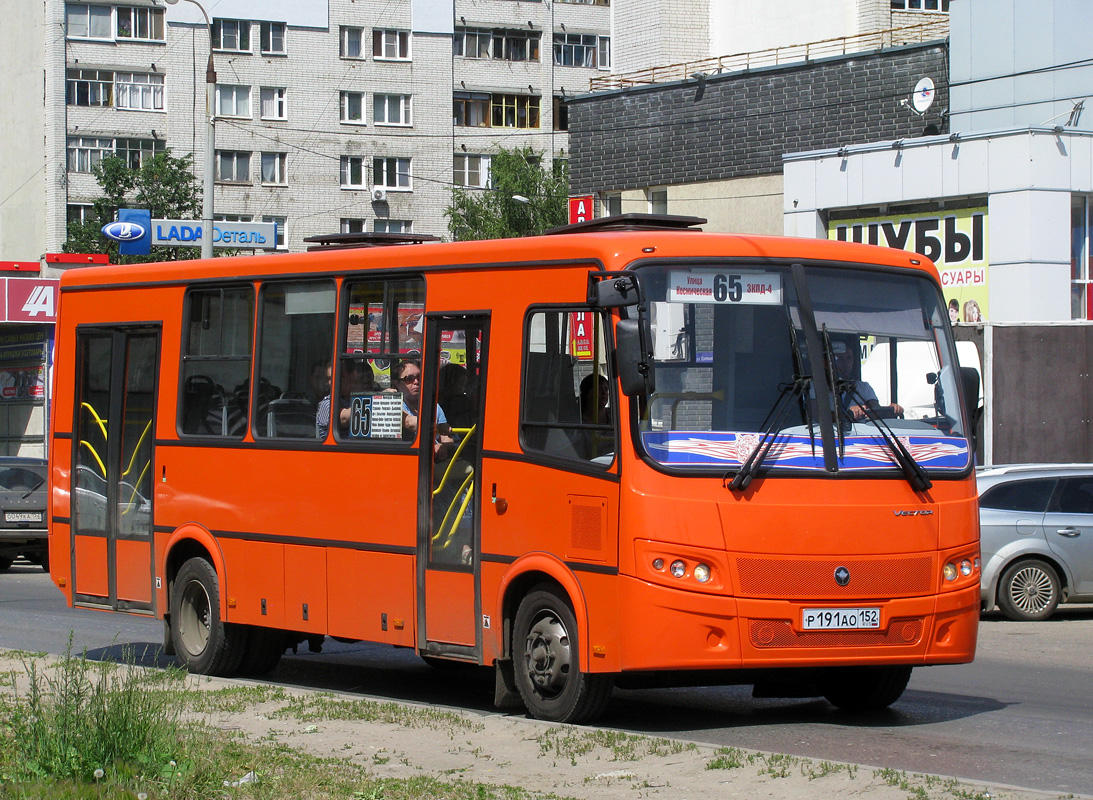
[678, 568]
[658, 564]
[62, 581]
[231, 602]
[599, 650]
[399, 624]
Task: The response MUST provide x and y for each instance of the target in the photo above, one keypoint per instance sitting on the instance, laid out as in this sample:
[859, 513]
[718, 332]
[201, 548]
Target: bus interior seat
[290, 417]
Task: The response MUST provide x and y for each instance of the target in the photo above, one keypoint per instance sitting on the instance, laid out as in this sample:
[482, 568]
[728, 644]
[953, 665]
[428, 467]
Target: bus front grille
[814, 578]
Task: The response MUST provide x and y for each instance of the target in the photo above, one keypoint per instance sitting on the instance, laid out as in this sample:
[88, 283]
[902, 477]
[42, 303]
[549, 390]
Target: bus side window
[215, 361]
[567, 405]
[295, 342]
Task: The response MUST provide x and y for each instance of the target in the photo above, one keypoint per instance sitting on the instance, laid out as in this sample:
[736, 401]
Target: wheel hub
[548, 655]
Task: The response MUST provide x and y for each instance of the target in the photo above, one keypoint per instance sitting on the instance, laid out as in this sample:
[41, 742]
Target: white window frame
[150, 19]
[273, 96]
[345, 107]
[281, 239]
[581, 47]
[939, 6]
[463, 172]
[400, 104]
[238, 94]
[84, 152]
[354, 225]
[352, 35]
[83, 213]
[99, 84]
[239, 159]
[350, 165]
[383, 225]
[237, 30]
[278, 163]
[603, 52]
[656, 196]
[101, 16]
[392, 173]
[268, 33]
[146, 88]
[391, 44]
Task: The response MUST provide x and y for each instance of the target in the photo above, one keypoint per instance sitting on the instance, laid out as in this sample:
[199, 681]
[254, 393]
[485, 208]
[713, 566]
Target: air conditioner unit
[379, 195]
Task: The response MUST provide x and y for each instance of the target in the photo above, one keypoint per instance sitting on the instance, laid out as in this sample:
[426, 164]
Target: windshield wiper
[33, 489]
[912, 470]
[769, 431]
[838, 387]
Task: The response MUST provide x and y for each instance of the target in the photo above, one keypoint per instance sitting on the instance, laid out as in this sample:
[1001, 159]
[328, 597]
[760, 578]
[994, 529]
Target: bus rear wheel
[203, 642]
[864, 688]
[546, 659]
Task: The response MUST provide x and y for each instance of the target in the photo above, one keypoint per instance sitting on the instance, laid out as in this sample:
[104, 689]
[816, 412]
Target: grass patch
[570, 743]
[325, 706]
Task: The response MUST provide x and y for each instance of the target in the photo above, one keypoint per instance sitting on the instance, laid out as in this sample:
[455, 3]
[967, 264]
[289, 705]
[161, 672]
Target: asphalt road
[1021, 715]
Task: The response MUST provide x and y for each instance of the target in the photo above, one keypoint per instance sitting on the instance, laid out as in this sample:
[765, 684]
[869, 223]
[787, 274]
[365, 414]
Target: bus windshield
[734, 373]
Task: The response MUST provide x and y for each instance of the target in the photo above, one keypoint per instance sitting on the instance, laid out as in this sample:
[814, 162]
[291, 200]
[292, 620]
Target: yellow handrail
[467, 433]
[98, 419]
[467, 491]
[102, 466]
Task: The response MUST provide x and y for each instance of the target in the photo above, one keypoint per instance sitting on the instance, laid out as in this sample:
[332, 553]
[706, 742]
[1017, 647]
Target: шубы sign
[955, 240]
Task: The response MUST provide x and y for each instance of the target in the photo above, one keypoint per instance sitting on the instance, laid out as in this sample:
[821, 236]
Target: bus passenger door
[113, 472]
[450, 495]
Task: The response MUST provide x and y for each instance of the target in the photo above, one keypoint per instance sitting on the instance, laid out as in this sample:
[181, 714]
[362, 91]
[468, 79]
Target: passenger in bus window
[406, 379]
[318, 382]
[595, 410]
[355, 379]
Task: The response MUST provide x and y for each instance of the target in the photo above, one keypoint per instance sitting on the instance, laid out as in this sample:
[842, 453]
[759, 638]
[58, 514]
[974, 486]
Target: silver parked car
[1037, 537]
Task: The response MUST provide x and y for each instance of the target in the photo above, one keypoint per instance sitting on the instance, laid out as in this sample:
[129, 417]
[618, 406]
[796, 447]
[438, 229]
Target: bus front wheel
[546, 658]
[203, 642]
[864, 688]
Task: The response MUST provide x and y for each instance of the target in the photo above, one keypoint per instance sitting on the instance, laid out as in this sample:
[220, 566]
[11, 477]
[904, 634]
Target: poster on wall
[955, 240]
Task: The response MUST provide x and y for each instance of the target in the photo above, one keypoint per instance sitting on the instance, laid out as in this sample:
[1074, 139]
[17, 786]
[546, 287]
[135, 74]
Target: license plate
[827, 619]
[22, 516]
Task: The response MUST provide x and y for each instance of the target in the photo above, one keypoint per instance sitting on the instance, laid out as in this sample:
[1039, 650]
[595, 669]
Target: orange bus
[625, 453]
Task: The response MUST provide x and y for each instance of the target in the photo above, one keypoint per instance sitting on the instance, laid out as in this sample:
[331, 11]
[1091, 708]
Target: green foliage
[165, 185]
[494, 213]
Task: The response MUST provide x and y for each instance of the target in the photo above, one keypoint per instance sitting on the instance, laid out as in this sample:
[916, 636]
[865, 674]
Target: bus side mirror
[616, 292]
[632, 359]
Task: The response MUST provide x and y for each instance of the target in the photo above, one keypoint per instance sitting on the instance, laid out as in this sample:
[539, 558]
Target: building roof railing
[933, 30]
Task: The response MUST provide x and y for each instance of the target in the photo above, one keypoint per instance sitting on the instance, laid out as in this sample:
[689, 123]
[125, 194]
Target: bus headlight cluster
[960, 568]
[678, 569]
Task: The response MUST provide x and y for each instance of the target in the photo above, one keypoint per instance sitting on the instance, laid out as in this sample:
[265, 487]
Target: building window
[232, 35]
[581, 50]
[1081, 258]
[232, 166]
[85, 152]
[471, 109]
[507, 45]
[273, 103]
[920, 5]
[561, 114]
[353, 225]
[81, 213]
[232, 100]
[145, 24]
[471, 171]
[390, 45]
[137, 152]
[586, 2]
[352, 42]
[273, 169]
[392, 226]
[391, 173]
[233, 217]
[658, 200]
[391, 109]
[352, 169]
[282, 224]
[138, 91]
[353, 107]
[89, 87]
[611, 203]
[514, 111]
[273, 38]
[88, 22]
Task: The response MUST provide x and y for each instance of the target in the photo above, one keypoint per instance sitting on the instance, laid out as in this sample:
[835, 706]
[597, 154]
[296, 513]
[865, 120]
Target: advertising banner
[955, 240]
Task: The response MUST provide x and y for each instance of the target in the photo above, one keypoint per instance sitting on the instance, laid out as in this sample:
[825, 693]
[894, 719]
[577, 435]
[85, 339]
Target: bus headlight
[949, 571]
[965, 567]
[658, 564]
[702, 573]
[678, 568]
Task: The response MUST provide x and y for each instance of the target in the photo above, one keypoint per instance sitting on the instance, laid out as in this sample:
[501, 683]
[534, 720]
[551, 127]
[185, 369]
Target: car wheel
[546, 658]
[1028, 590]
[203, 642]
[864, 688]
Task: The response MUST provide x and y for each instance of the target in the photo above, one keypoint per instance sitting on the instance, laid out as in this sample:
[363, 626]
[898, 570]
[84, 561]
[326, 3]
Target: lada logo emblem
[842, 576]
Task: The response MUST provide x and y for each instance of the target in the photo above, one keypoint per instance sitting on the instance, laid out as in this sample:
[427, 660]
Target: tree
[494, 213]
[163, 184]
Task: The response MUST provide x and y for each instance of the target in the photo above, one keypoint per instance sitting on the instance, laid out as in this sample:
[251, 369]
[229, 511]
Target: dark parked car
[1037, 537]
[23, 504]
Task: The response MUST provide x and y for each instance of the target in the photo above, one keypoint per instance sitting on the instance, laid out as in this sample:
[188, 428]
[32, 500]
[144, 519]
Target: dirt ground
[570, 762]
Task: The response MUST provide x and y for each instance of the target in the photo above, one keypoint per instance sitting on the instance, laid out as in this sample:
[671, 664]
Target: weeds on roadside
[325, 706]
[569, 743]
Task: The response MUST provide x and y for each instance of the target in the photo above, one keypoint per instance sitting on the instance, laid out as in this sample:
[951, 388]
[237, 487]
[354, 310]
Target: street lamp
[210, 141]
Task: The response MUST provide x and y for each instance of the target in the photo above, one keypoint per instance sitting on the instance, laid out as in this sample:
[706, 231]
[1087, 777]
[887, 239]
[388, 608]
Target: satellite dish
[923, 97]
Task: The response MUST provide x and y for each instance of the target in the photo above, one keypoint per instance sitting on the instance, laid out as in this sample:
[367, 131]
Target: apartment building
[330, 115]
